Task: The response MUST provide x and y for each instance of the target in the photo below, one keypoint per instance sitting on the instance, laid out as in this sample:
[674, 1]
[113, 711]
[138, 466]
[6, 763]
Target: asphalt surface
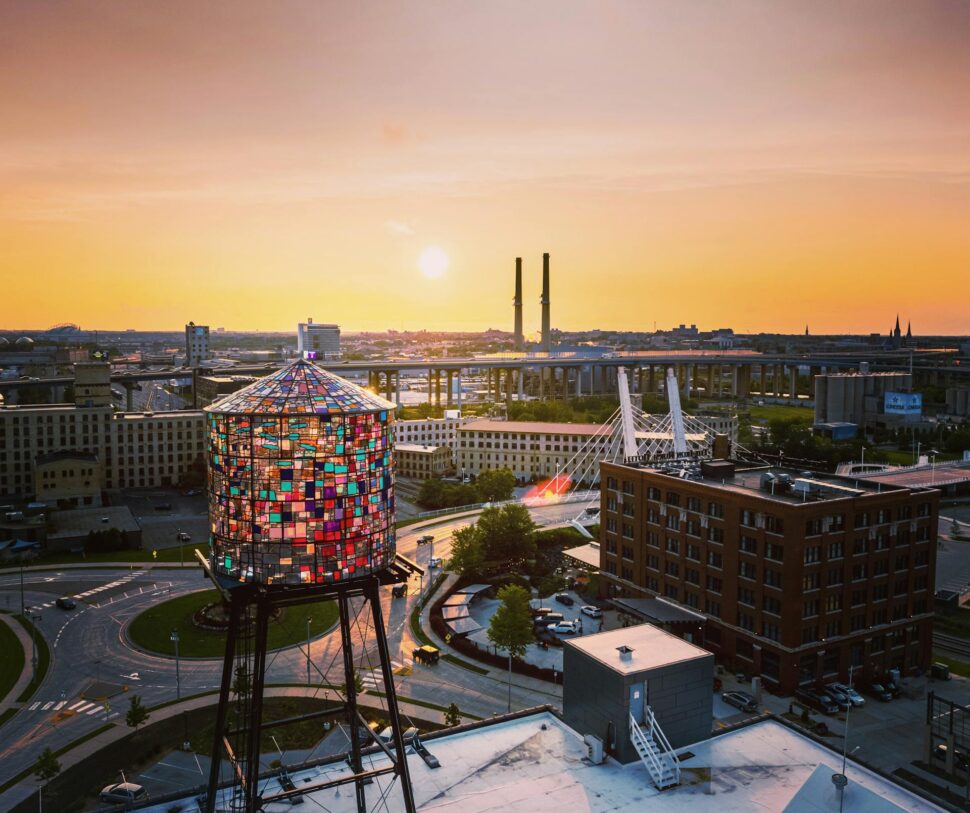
[89, 646]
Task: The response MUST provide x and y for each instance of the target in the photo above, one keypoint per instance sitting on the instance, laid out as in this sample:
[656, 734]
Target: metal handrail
[657, 733]
[638, 736]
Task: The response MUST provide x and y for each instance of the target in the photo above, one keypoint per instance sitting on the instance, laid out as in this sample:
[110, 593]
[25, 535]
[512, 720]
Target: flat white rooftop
[652, 647]
[537, 764]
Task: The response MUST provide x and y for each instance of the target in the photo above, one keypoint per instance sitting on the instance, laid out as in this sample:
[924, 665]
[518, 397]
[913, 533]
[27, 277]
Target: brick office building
[799, 575]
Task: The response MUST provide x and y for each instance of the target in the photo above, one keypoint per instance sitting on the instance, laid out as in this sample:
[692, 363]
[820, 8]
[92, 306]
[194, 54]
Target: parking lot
[885, 735]
[161, 526]
[483, 609]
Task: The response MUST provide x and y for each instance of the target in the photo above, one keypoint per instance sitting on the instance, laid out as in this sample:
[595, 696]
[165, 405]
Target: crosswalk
[79, 707]
[374, 679]
[116, 583]
[95, 590]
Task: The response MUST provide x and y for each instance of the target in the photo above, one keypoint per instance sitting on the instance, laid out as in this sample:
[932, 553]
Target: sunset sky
[755, 165]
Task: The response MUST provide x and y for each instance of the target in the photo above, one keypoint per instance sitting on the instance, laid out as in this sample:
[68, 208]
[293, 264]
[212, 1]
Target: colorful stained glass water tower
[301, 509]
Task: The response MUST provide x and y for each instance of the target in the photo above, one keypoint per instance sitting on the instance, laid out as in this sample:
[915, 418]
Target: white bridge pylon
[632, 434]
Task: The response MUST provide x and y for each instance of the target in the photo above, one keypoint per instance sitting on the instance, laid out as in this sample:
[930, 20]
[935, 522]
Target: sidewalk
[25, 788]
[10, 701]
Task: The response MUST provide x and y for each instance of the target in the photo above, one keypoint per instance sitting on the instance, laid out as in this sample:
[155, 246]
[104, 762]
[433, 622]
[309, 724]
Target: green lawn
[12, 662]
[772, 411]
[956, 667]
[152, 629]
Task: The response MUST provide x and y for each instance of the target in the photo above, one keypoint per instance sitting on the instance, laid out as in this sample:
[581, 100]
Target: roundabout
[198, 619]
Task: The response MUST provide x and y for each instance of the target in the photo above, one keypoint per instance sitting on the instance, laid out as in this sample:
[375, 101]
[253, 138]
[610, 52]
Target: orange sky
[756, 165]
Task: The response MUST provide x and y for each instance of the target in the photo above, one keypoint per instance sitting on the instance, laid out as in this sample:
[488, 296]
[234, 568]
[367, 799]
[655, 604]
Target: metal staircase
[655, 751]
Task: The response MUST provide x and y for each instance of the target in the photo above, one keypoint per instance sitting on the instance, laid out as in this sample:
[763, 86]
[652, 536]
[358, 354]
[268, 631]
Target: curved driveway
[88, 646]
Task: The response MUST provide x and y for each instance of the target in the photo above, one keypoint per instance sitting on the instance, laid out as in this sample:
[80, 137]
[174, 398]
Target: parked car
[840, 698]
[940, 671]
[564, 628]
[435, 562]
[891, 686]
[184, 537]
[817, 700]
[427, 539]
[124, 792]
[399, 590]
[549, 618]
[740, 700]
[163, 506]
[854, 697]
[66, 603]
[565, 598]
[537, 611]
[591, 611]
[880, 692]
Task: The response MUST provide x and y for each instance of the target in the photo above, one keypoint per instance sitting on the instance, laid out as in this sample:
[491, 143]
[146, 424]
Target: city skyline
[680, 164]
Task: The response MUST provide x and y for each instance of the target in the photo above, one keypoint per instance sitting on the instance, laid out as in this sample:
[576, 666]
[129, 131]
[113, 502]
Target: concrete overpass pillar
[437, 388]
[688, 378]
[651, 378]
[430, 386]
[710, 380]
[458, 388]
[793, 382]
[579, 382]
[521, 383]
[745, 382]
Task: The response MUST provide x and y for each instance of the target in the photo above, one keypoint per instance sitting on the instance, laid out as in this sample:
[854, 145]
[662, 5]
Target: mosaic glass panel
[301, 496]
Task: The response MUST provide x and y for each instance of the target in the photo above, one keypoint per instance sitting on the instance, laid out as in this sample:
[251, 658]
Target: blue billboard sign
[903, 403]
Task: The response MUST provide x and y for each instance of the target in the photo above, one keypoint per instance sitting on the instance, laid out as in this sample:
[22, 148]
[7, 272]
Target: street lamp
[174, 638]
[933, 453]
[308, 650]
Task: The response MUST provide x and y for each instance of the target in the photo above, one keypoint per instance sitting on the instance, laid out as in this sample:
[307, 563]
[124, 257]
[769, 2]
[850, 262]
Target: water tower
[301, 509]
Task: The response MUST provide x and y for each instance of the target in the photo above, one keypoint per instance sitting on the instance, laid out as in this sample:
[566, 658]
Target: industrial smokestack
[517, 303]
[546, 337]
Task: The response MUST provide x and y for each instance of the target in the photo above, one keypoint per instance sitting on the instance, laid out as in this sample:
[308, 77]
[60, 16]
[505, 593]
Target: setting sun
[433, 262]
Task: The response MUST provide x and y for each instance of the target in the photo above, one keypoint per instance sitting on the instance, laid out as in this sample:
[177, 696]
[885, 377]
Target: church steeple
[909, 329]
[896, 331]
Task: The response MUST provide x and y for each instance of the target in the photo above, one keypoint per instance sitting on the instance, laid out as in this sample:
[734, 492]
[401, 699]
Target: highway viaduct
[734, 373]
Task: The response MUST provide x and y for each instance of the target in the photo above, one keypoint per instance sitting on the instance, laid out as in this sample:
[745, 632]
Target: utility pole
[307, 652]
[174, 637]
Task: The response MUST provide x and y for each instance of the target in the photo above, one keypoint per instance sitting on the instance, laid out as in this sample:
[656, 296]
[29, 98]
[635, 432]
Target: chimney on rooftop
[626, 653]
[546, 337]
[517, 303]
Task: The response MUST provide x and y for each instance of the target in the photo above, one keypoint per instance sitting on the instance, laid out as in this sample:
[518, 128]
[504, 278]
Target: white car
[563, 628]
[855, 698]
[124, 792]
[591, 611]
[435, 562]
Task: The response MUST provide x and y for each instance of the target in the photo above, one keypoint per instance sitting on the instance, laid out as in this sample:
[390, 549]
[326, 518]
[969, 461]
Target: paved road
[89, 646]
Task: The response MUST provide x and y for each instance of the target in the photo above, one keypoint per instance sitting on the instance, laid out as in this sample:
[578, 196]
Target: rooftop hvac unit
[594, 749]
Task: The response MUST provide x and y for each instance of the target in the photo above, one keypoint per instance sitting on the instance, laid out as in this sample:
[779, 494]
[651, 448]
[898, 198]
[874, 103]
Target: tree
[137, 714]
[46, 767]
[494, 485]
[507, 534]
[432, 494]
[511, 626]
[467, 552]
[452, 715]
